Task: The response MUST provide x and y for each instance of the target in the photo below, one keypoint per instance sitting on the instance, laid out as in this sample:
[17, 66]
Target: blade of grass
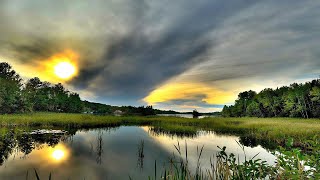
[37, 176]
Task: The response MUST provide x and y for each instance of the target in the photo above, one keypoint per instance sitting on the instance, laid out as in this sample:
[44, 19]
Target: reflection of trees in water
[26, 144]
[252, 141]
[246, 138]
[7, 145]
[12, 141]
[23, 142]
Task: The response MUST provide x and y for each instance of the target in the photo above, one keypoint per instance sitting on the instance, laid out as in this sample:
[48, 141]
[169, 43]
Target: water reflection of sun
[59, 153]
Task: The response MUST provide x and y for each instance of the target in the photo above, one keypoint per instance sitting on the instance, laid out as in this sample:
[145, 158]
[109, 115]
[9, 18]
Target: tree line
[37, 96]
[296, 100]
[34, 95]
[98, 108]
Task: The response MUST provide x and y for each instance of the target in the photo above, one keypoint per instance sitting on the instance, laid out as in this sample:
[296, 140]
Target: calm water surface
[111, 153]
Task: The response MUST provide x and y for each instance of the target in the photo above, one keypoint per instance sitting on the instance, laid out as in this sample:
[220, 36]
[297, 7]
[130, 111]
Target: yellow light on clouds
[177, 91]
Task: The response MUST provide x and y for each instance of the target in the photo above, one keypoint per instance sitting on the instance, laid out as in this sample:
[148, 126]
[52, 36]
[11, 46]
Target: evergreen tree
[10, 86]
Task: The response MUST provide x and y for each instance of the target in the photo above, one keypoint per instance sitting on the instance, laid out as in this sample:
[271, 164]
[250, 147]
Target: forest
[296, 100]
[17, 96]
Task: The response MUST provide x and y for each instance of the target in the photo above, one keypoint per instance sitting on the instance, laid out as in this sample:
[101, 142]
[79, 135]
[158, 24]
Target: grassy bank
[277, 130]
[280, 131]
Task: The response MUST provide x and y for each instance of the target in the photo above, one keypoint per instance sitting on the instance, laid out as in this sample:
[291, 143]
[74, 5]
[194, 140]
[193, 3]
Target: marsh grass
[222, 166]
[37, 177]
[140, 154]
[275, 130]
[175, 130]
[290, 164]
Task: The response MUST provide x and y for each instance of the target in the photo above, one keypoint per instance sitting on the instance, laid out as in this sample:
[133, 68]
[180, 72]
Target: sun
[60, 67]
[64, 70]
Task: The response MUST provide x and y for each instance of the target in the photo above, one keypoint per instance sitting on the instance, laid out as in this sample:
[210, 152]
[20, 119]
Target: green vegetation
[38, 96]
[260, 130]
[297, 100]
[34, 104]
[195, 114]
[34, 95]
[290, 164]
[298, 158]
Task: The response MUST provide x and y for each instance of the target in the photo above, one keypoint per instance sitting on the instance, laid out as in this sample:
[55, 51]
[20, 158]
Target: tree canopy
[36, 95]
[296, 100]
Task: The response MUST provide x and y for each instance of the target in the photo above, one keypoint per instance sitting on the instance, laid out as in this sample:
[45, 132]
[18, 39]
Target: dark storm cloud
[134, 64]
[270, 44]
[129, 48]
[35, 49]
[137, 65]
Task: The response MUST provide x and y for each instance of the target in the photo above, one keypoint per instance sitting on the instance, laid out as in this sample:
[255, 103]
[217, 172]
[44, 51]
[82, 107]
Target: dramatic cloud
[180, 54]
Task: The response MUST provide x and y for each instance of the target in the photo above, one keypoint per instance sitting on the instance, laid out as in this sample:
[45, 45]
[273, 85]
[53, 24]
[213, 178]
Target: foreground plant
[297, 164]
[291, 163]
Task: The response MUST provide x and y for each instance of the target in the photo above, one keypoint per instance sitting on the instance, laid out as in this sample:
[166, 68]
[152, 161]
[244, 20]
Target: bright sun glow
[64, 70]
[58, 154]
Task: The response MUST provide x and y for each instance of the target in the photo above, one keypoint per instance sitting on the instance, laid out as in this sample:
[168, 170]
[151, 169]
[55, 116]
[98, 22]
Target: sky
[179, 55]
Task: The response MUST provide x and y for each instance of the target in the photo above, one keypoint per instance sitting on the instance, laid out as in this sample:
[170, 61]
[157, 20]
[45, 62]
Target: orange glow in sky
[62, 66]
